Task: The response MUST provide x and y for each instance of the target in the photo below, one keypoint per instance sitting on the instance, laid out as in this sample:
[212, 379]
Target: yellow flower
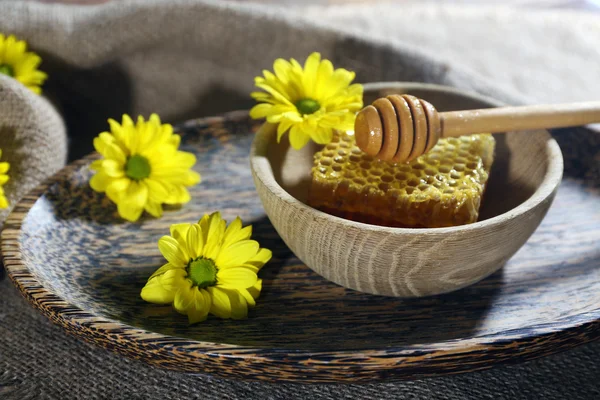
[211, 268]
[4, 167]
[142, 167]
[308, 102]
[22, 65]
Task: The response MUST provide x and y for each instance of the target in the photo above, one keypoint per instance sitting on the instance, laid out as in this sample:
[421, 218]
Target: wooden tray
[82, 267]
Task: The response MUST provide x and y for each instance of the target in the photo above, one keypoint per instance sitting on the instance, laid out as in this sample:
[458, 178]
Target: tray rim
[304, 365]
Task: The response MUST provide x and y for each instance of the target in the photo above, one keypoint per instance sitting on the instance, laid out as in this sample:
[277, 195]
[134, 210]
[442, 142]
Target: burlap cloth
[187, 59]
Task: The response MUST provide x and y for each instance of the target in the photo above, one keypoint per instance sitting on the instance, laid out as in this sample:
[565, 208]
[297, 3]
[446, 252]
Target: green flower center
[307, 106]
[7, 70]
[137, 167]
[202, 272]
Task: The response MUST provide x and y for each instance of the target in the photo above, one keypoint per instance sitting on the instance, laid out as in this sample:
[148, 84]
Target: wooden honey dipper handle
[400, 128]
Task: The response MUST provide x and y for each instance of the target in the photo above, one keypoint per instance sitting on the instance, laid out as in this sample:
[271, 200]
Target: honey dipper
[400, 128]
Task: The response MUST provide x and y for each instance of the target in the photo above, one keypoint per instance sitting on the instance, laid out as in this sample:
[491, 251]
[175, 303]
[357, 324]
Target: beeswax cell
[442, 188]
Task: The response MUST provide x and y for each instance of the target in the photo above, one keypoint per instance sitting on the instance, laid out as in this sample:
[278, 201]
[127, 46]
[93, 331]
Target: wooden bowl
[411, 262]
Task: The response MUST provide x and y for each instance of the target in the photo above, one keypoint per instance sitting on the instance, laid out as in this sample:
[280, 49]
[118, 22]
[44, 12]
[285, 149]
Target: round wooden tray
[80, 265]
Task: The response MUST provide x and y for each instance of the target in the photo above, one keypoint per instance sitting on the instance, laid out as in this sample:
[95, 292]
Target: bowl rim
[262, 170]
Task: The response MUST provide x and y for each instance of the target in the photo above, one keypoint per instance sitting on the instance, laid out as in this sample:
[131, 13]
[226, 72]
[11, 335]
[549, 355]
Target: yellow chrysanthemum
[308, 102]
[142, 167]
[22, 65]
[4, 167]
[211, 269]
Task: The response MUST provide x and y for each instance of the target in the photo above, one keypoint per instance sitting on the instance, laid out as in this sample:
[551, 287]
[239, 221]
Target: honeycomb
[442, 188]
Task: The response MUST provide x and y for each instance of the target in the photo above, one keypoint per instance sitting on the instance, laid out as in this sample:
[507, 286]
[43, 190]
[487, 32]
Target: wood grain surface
[81, 266]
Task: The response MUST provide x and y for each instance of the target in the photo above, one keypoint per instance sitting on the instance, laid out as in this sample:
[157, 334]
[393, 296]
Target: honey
[441, 188]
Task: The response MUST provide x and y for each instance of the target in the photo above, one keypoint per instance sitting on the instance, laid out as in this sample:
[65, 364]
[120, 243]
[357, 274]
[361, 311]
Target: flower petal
[278, 96]
[236, 254]
[324, 72]
[236, 278]
[202, 305]
[194, 241]
[110, 150]
[180, 159]
[256, 289]
[282, 128]
[309, 78]
[221, 306]
[163, 269]
[96, 165]
[248, 297]
[113, 168]
[137, 193]
[251, 267]
[172, 251]
[156, 190]
[129, 212]
[298, 139]
[261, 258]
[4, 167]
[239, 306]
[177, 195]
[119, 133]
[131, 205]
[213, 235]
[235, 233]
[322, 135]
[184, 298]
[260, 110]
[162, 289]
[179, 233]
[117, 188]
[282, 69]
[153, 208]
[193, 302]
[100, 181]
